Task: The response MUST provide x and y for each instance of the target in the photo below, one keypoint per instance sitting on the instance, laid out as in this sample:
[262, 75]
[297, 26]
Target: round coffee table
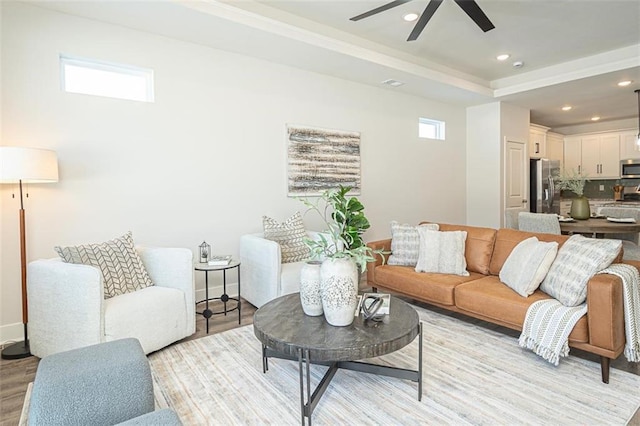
[286, 332]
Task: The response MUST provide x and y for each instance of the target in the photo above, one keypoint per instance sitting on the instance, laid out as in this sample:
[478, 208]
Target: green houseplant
[575, 182]
[345, 223]
[342, 251]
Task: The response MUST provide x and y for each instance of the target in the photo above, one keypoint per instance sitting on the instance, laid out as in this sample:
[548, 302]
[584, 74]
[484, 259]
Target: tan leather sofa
[482, 295]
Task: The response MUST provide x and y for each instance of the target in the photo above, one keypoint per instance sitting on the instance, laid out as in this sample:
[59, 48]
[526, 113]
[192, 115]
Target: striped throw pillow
[290, 235]
[578, 260]
[405, 243]
[118, 261]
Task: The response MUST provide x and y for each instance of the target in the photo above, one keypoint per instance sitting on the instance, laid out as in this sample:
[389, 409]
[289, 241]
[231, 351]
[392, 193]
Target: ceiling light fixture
[595, 118]
[624, 83]
[503, 57]
[518, 64]
[567, 108]
[410, 17]
[393, 83]
[638, 139]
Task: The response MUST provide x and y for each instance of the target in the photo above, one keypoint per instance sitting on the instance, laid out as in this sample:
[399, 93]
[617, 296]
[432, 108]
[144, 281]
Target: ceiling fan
[470, 7]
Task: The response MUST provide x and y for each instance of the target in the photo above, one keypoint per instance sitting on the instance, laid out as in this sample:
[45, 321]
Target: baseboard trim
[11, 333]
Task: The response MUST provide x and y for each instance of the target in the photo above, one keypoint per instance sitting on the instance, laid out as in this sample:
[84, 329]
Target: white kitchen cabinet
[596, 156]
[628, 147]
[555, 147]
[537, 141]
[573, 154]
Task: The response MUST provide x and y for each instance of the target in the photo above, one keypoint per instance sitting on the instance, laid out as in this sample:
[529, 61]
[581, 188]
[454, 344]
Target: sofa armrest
[172, 267]
[384, 245]
[260, 269]
[61, 296]
[606, 312]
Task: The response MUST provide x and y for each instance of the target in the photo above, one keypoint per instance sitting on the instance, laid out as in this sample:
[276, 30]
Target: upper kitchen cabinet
[596, 156]
[555, 147]
[537, 141]
[628, 147]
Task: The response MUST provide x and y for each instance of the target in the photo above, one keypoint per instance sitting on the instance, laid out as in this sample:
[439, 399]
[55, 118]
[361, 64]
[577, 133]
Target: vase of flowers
[342, 250]
[574, 182]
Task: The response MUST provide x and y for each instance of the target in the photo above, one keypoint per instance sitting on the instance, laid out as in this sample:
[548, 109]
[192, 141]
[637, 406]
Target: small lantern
[205, 252]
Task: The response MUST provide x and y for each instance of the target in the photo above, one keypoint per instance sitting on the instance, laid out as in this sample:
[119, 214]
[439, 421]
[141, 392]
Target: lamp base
[17, 350]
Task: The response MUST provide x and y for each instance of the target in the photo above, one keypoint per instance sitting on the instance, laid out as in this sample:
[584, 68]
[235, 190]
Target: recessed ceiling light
[410, 17]
[567, 107]
[624, 83]
[595, 118]
[503, 57]
[392, 82]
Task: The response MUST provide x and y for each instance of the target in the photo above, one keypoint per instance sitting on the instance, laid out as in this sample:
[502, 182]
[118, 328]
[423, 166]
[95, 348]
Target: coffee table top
[282, 326]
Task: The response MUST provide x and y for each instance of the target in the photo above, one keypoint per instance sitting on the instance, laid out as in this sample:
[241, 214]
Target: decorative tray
[621, 219]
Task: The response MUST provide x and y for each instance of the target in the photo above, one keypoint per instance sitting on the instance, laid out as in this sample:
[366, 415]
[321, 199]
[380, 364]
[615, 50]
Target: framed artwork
[321, 159]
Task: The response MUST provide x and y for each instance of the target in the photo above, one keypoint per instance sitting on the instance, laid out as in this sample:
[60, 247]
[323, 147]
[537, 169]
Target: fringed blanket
[548, 323]
[547, 326]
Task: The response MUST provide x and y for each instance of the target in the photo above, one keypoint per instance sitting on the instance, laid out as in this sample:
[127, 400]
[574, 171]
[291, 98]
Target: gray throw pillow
[118, 261]
[442, 252]
[405, 243]
[290, 235]
[578, 260]
[527, 265]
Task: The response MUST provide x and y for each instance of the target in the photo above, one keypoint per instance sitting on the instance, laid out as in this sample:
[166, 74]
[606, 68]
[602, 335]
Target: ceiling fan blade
[472, 9]
[424, 18]
[379, 9]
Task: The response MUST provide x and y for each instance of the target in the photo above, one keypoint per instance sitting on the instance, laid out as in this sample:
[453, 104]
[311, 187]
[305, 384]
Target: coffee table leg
[265, 360]
[301, 385]
[420, 363]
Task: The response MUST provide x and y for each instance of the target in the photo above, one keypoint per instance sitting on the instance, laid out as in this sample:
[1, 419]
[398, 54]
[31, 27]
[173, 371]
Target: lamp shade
[29, 165]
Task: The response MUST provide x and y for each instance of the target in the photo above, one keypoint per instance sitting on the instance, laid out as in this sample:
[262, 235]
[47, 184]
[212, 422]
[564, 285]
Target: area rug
[471, 375]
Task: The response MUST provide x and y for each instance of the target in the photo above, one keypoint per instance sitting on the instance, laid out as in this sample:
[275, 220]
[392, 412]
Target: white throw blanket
[548, 323]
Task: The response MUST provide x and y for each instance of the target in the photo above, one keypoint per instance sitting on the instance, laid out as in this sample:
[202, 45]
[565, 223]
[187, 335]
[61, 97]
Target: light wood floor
[15, 375]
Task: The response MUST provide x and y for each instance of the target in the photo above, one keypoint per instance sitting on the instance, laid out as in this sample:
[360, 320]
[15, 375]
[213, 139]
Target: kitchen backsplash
[592, 188]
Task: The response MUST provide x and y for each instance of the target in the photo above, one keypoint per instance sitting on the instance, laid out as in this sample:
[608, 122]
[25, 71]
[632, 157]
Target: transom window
[431, 129]
[98, 78]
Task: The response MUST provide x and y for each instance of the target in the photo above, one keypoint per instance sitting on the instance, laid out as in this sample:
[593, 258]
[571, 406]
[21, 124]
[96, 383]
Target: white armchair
[67, 309]
[264, 277]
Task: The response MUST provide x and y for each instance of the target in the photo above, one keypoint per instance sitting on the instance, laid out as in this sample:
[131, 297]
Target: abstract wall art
[321, 159]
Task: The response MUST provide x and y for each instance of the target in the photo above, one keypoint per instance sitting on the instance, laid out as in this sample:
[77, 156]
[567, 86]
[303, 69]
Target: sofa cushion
[489, 299]
[405, 243]
[528, 264]
[118, 261]
[578, 260]
[290, 235]
[478, 246]
[508, 239]
[123, 317]
[442, 252]
[430, 287]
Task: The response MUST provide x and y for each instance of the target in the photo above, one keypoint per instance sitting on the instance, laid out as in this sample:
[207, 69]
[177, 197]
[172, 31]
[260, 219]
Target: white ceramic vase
[339, 287]
[310, 296]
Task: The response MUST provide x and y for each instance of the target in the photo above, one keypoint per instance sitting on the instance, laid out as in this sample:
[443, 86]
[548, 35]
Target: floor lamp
[18, 166]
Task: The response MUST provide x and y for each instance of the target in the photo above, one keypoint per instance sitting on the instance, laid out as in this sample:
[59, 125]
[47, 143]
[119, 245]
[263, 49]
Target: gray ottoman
[103, 384]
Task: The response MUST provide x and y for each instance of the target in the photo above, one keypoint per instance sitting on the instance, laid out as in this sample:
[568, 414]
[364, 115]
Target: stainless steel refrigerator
[544, 196]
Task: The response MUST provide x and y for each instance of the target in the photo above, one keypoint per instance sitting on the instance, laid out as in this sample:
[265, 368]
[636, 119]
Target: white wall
[488, 127]
[208, 158]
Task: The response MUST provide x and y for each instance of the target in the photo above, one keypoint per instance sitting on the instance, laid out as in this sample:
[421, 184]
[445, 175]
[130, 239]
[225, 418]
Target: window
[91, 77]
[430, 129]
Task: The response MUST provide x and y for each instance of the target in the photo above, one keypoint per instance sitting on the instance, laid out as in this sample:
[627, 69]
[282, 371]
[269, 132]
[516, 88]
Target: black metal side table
[224, 298]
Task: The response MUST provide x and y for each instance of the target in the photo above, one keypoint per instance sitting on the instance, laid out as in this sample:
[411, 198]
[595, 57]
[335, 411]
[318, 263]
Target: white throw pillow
[405, 243]
[442, 252]
[578, 260]
[527, 265]
[290, 235]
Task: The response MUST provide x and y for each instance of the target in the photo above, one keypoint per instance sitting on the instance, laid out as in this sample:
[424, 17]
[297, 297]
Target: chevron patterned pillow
[118, 261]
[290, 235]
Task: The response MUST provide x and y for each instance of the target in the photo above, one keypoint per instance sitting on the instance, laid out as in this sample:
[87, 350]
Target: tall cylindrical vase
[339, 283]
[580, 208]
[310, 296]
